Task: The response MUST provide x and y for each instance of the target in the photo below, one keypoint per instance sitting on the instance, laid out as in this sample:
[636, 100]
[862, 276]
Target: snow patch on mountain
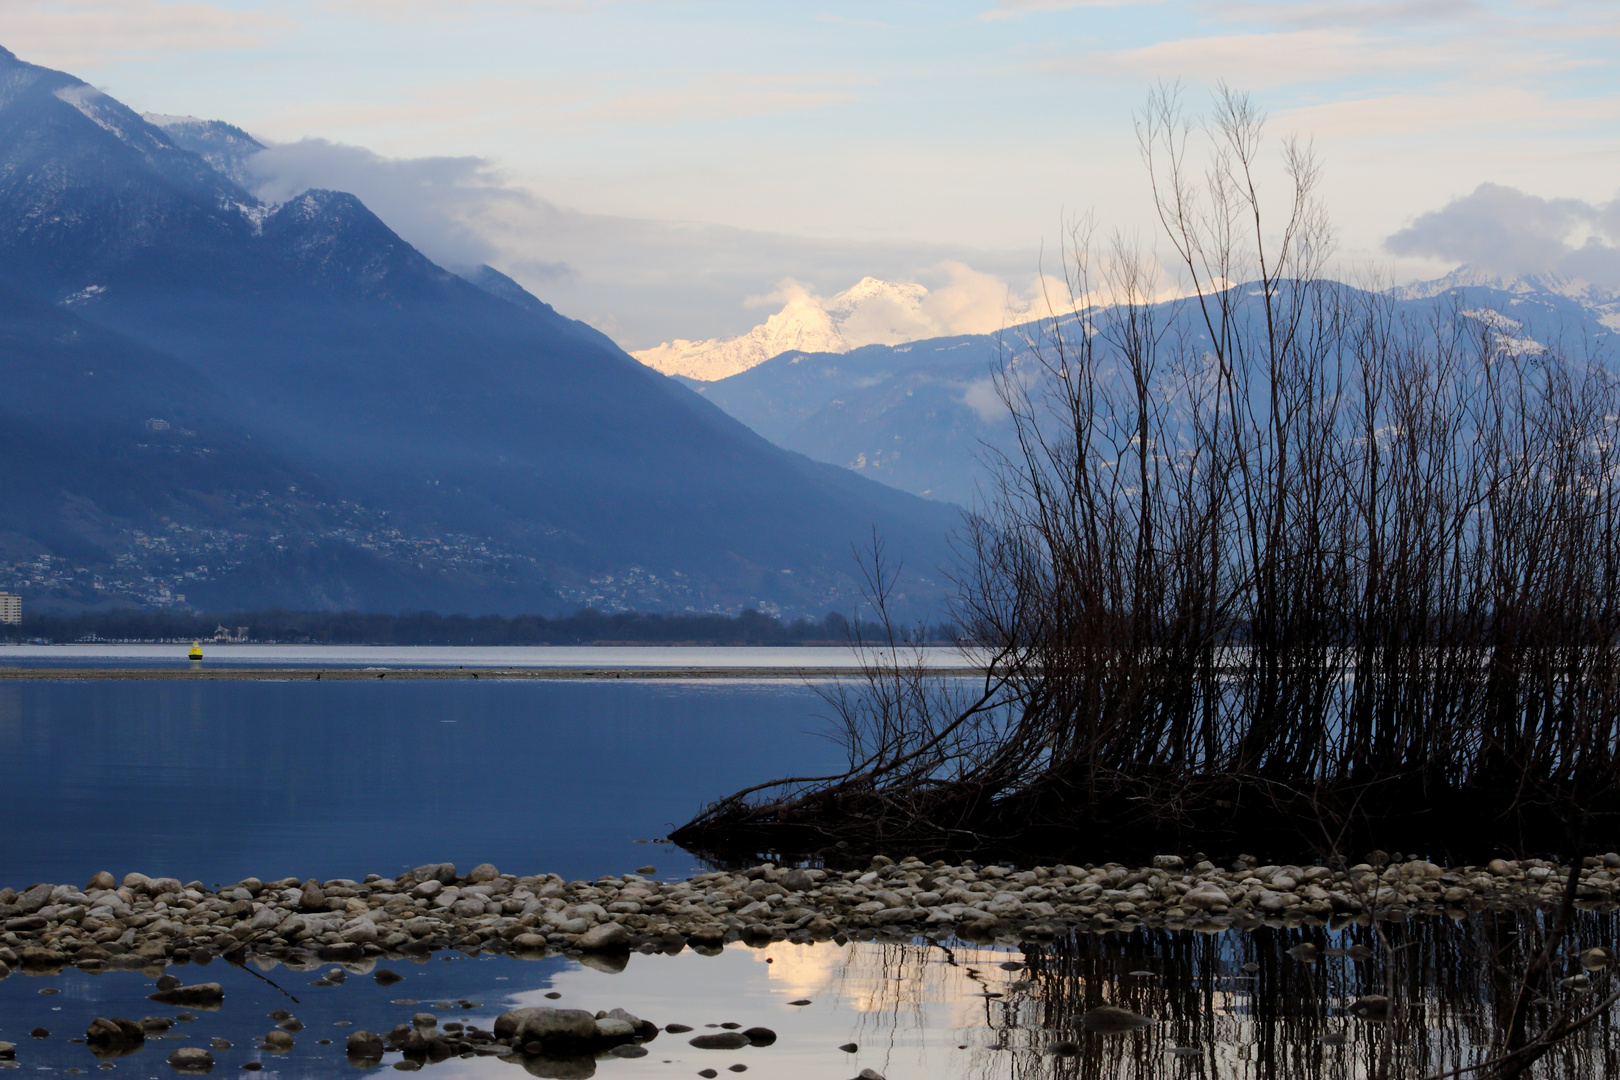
[870, 312]
[1467, 277]
[114, 117]
[1604, 303]
[226, 147]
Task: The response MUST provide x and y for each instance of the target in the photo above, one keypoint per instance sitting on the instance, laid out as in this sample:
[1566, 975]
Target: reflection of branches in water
[1453, 988]
[1236, 1005]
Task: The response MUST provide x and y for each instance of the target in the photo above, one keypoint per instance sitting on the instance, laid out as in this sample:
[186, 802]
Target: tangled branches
[1273, 553]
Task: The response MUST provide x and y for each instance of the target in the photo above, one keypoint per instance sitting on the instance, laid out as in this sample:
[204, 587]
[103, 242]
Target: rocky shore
[142, 922]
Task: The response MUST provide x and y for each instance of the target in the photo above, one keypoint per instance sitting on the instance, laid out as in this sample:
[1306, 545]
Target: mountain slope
[537, 465]
[922, 415]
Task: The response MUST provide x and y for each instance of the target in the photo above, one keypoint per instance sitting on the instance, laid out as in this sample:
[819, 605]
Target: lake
[624, 657]
[1231, 1005]
[218, 781]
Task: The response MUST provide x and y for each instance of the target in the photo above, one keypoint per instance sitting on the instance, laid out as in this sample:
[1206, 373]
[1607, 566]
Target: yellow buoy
[196, 651]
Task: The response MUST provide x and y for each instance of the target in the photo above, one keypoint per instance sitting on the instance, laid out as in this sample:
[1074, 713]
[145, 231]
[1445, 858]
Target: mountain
[869, 312]
[251, 403]
[1543, 289]
[922, 416]
[916, 416]
[225, 147]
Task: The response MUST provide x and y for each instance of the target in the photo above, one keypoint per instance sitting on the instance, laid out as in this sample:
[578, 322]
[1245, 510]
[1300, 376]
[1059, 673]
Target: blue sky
[650, 165]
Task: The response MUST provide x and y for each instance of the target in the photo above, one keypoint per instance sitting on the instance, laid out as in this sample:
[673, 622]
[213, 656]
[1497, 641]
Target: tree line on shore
[584, 627]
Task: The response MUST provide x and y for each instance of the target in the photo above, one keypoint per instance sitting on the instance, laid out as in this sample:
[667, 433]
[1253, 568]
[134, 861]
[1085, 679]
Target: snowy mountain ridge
[224, 146]
[870, 312]
[1602, 301]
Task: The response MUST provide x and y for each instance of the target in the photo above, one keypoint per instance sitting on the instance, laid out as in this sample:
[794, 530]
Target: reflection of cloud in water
[1234, 1005]
[906, 1007]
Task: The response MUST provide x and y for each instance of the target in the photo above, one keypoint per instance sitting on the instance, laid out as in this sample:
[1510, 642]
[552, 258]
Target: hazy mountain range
[921, 415]
[249, 404]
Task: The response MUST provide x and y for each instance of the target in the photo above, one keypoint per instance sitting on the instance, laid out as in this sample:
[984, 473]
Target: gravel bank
[146, 922]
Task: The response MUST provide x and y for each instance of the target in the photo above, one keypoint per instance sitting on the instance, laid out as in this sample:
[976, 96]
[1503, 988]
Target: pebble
[116, 924]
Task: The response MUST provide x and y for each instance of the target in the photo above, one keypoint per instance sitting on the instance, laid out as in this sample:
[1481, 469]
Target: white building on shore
[10, 608]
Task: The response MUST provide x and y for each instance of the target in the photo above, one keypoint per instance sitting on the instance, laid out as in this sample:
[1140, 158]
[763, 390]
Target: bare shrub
[1273, 554]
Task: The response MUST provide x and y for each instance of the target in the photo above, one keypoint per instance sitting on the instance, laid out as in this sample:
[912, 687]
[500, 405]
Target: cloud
[957, 299]
[1506, 231]
[91, 32]
[433, 202]
[1012, 9]
[982, 398]
[974, 302]
[1362, 13]
[645, 281]
[1452, 110]
[1269, 59]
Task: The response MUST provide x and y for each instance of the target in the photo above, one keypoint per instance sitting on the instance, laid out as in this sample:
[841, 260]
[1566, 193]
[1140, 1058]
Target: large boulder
[114, 1037]
[33, 898]
[367, 1045]
[606, 937]
[543, 1024]
[1207, 897]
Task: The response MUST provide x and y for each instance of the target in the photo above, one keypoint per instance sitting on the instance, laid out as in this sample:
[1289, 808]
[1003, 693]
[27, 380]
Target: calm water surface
[629, 657]
[1235, 1006]
[222, 780]
[217, 781]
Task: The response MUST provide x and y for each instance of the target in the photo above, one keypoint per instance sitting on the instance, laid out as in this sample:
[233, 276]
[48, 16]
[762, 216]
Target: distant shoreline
[312, 674]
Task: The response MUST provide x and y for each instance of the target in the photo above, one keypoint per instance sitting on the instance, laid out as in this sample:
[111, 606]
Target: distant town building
[10, 608]
[155, 424]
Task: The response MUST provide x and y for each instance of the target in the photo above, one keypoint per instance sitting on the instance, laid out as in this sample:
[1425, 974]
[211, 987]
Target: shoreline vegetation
[144, 923]
[585, 627]
[1274, 564]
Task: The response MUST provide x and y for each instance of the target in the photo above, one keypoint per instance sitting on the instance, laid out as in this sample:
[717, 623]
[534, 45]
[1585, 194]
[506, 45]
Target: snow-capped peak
[1603, 302]
[870, 312]
[1469, 277]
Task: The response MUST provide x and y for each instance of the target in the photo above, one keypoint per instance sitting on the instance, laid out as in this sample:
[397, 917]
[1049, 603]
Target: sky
[660, 168]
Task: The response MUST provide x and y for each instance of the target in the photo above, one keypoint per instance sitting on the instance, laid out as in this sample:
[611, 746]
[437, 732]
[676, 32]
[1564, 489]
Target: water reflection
[1274, 1002]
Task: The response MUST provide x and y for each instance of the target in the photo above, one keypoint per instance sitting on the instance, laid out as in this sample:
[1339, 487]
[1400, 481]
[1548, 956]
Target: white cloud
[432, 202]
[90, 32]
[981, 397]
[642, 281]
[1012, 9]
[1506, 231]
[1269, 59]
